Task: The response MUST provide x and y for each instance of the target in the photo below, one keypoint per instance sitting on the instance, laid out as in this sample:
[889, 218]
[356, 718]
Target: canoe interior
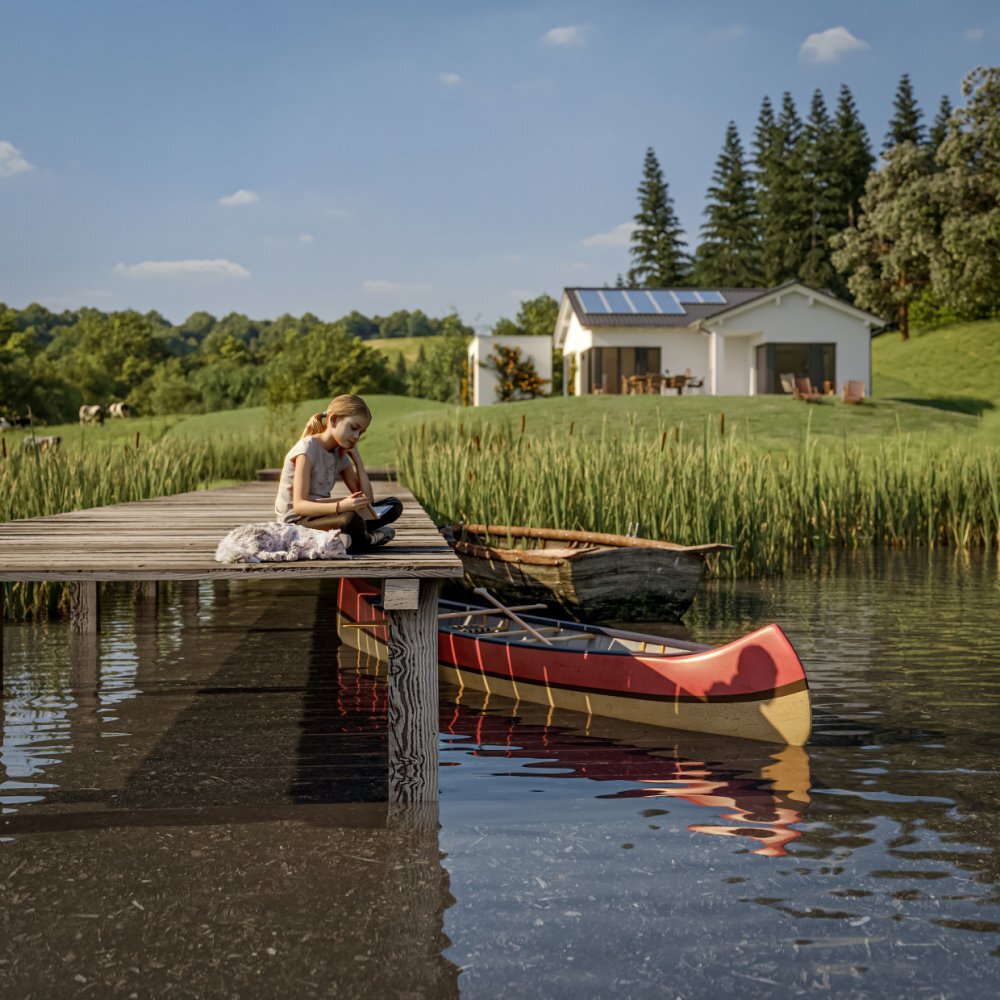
[565, 635]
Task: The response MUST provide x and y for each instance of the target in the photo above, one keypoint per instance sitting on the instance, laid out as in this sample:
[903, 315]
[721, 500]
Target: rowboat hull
[585, 576]
[754, 687]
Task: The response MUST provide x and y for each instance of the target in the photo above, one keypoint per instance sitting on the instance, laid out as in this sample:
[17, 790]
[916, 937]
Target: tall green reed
[773, 506]
[39, 483]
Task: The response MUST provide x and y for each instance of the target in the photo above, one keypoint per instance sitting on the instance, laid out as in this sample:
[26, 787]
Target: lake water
[199, 814]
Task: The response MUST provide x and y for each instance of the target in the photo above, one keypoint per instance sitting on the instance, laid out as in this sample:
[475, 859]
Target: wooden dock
[175, 537]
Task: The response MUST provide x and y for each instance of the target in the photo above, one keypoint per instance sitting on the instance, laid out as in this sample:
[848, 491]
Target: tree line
[53, 363]
[916, 235]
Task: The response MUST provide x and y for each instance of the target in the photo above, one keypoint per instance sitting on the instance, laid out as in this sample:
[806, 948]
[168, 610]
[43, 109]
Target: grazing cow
[118, 410]
[91, 414]
[41, 443]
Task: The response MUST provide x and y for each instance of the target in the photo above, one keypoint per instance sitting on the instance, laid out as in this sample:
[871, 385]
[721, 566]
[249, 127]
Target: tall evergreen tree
[906, 123]
[853, 155]
[822, 200]
[729, 255]
[939, 130]
[779, 190]
[658, 249]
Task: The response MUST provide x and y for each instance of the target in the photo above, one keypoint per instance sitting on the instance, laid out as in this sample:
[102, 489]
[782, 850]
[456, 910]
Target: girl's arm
[305, 507]
[356, 479]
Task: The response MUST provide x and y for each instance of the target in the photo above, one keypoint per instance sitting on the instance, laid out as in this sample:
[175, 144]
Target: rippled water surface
[194, 806]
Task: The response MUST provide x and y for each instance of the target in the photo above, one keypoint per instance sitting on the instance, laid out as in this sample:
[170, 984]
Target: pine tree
[905, 125]
[853, 155]
[730, 253]
[779, 190]
[658, 249]
[939, 130]
[821, 198]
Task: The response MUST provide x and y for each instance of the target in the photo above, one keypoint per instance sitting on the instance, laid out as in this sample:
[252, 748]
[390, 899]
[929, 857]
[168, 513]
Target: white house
[483, 380]
[736, 341]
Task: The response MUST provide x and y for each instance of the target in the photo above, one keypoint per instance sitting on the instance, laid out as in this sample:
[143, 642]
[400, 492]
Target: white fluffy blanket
[271, 541]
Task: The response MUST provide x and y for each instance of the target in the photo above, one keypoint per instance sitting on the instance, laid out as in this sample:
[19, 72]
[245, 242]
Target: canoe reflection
[761, 789]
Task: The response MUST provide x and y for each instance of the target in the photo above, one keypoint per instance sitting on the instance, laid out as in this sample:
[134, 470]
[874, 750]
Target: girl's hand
[356, 501]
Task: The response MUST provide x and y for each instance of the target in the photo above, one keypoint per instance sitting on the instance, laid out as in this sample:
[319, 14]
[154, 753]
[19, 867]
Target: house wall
[680, 348]
[483, 381]
[792, 319]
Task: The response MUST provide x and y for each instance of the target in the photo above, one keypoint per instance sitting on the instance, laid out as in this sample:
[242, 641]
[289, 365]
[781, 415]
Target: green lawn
[378, 446]
[954, 368]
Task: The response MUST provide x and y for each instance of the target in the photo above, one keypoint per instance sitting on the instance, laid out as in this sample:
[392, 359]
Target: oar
[483, 592]
[487, 611]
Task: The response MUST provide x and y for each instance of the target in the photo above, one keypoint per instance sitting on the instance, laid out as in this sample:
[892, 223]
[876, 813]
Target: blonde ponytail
[347, 405]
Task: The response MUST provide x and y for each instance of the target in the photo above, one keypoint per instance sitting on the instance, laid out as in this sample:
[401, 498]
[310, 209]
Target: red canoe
[754, 687]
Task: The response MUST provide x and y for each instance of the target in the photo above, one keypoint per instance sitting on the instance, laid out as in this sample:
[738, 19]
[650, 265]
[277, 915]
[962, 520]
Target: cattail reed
[772, 506]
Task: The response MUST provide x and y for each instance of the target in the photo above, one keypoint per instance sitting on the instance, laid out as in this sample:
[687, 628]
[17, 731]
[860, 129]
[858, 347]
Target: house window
[817, 361]
[608, 367]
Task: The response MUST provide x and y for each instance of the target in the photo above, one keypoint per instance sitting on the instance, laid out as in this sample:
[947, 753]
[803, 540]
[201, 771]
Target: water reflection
[763, 789]
[200, 809]
[200, 803]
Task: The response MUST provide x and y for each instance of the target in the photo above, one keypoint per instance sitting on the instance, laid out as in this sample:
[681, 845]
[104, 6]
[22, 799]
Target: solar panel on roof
[592, 302]
[713, 298]
[686, 296]
[667, 303]
[640, 301]
[617, 301]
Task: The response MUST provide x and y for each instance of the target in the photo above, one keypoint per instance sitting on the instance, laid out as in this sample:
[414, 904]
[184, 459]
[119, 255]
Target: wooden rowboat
[584, 575]
[754, 687]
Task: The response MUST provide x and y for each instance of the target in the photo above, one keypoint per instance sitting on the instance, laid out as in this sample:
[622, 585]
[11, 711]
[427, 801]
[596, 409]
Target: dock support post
[85, 607]
[411, 619]
[85, 623]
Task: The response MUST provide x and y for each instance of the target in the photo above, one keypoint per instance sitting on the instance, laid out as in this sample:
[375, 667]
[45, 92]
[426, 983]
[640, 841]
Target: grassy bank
[699, 485]
[953, 368]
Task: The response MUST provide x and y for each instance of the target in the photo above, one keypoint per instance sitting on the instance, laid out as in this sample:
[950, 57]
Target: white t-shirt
[324, 474]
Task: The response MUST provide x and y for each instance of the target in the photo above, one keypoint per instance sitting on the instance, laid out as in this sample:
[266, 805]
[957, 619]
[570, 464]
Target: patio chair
[788, 383]
[854, 392]
[804, 389]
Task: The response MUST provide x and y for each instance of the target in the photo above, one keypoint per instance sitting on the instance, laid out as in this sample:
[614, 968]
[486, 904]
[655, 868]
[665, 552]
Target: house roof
[655, 307]
[682, 307]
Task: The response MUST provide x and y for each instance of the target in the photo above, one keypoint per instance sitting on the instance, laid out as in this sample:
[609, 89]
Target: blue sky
[298, 156]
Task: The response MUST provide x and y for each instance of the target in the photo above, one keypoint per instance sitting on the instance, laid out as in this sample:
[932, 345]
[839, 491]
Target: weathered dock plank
[175, 538]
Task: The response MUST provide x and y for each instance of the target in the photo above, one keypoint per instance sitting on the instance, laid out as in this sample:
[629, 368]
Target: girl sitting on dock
[326, 452]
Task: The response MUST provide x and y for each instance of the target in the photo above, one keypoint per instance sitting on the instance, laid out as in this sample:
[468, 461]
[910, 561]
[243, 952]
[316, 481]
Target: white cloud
[12, 160]
[573, 34]
[620, 236]
[974, 34]
[828, 46]
[306, 238]
[382, 285]
[449, 79]
[173, 268]
[241, 197]
[729, 33]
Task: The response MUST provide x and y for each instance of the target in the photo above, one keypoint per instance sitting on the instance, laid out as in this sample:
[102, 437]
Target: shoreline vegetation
[779, 480]
[706, 485]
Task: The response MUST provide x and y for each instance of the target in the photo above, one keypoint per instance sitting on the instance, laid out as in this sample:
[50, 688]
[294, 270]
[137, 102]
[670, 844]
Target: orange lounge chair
[854, 392]
[804, 389]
